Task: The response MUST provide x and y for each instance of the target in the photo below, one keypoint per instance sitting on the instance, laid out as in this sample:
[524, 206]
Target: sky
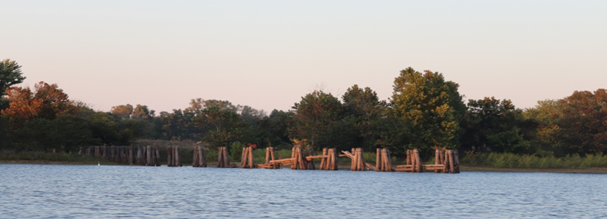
[268, 54]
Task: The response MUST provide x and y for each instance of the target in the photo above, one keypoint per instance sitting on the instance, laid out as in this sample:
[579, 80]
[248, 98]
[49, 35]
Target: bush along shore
[515, 162]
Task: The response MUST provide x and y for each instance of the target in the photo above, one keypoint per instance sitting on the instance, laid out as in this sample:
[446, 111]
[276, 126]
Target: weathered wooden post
[334, 157]
[177, 156]
[323, 165]
[198, 159]
[419, 166]
[223, 158]
[437, 160]
[195, 157]
[251, 163]
[220, 157]
[169, 156]
[385, 161]
[446, 163]
[244, 157]
[361, 160]
[148, 155]
[294, 163]
[269, 158]
[203, 157]
[456, 162]
[226, 157]
[309, 164]
[247, 158]
[298, 159]
[451, 160]
[378, 159]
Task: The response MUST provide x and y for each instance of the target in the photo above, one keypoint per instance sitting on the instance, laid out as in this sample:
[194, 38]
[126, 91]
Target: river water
[75, 191]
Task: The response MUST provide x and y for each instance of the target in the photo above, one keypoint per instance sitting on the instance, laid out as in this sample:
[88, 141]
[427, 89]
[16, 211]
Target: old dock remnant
[223, 160]
[198, 157]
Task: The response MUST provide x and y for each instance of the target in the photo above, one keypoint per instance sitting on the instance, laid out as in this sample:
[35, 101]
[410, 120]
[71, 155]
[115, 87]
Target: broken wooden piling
[247, 158]
[198, 157]
[357, 163]
[298, 162]
[413, 162]
[328, 159]
[223, 160]
[383, 160]
[173, 156]
[451, 162]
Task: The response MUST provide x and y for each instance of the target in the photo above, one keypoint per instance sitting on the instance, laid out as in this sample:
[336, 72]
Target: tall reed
[509, 160]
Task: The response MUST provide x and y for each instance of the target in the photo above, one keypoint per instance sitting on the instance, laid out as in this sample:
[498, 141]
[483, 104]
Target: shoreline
[595, 170]
[463, 168]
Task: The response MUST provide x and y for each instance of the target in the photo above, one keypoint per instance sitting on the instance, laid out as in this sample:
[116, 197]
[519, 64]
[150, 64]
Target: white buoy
[98, 164]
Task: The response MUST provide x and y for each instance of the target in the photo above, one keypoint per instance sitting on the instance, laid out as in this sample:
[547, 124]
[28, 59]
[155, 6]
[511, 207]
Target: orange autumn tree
[47, 102]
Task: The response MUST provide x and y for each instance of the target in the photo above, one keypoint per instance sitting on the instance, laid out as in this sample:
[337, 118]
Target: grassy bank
[598, 170]
[500, 162]
[508, 160]
[30, 157]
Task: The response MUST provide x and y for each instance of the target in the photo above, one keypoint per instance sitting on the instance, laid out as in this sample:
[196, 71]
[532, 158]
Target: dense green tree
[221, 104]
[124, 111]
[314, 116]
[10, 74]
[362, 111]
[63, 134]
[274, 129]
[546, 116]
[428, 107]
[223, 126]
[583, 126]
[179, 125]
[251, 115]
[575, 124]
[5, 133]
[494, 125]
[142, 112]
[108, 129]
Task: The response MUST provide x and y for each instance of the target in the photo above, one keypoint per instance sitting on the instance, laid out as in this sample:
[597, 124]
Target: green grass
[508, 160]
[41, 157]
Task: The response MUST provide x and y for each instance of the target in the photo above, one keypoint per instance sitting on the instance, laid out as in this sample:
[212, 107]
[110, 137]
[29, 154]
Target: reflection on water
[58, 191]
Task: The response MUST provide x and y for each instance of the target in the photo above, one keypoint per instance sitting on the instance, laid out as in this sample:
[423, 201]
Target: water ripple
[64, 191]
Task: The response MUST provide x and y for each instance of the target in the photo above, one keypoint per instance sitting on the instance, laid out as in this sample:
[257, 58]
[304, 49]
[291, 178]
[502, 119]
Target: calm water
[64, 191]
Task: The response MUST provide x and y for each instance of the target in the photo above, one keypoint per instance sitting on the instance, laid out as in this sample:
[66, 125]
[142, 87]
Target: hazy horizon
[268, 54]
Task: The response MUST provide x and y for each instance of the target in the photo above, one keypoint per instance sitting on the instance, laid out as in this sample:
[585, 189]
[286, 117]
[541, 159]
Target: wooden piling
[310, 165]
[456, 162]
[247, 158]
[223, 158]
[251, 163]
[170, 156]
[383, 163]
[198, 157]
[322, 165]
[451, 160]
[177, 156]
[269, 164]
[437, 158]
[195, 157]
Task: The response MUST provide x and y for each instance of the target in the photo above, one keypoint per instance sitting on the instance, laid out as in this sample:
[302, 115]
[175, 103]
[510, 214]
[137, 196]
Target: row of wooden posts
[173, 158]
[132, 155]
[446, 161]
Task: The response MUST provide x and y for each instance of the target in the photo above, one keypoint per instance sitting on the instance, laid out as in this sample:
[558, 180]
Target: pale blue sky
[267, 54]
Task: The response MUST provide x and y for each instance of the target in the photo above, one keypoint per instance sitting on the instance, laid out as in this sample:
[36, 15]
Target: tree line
[426, 111]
